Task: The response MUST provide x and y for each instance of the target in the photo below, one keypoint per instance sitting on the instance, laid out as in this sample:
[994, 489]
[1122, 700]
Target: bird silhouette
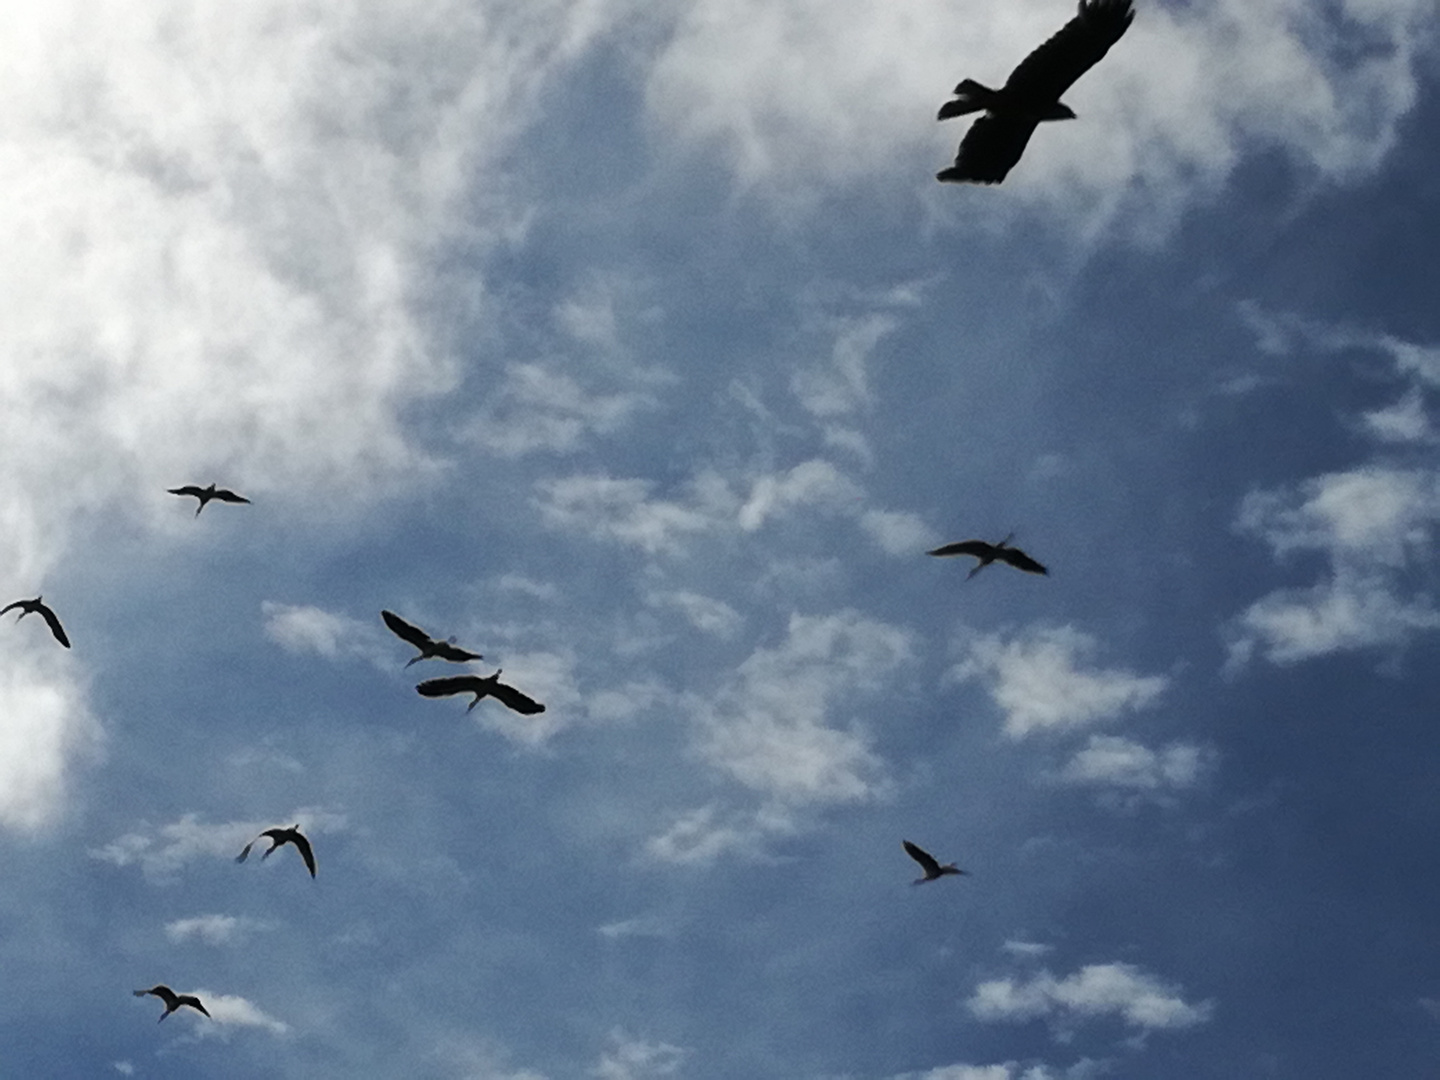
[928, 863]
[205, 494]
[28, 607]
[988, 553]
[430, 648]
[481, 686]
[1031, 94]
[172, 1000]
[278, 838]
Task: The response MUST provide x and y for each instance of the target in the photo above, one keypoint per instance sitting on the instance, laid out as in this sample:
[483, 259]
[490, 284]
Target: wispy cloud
[1040, 681]
[1096, 990]
[1111, 761]
[630, 1058]
[233, 1011]
[213, 929]
[704, 613]
[162, 851]
[537, 408]
[706, 834]
[303, 628]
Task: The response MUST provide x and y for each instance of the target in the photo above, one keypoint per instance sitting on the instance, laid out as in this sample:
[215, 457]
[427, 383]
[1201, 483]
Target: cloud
[635, 1059]
[47, 723]
[302, 629]
[704, 613]
[1097, 990]
[536, 408]
[1081, 1070]
[212, 929]
[161, 852]
[1110, 761]
[231, 1010]
[898, 533]
[1036, 679]
[1404, 422]
[643, 926]
[1027, 948]
[706, 834]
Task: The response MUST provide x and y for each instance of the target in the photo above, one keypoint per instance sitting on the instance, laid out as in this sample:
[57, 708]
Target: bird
[278, 838]
[31, 606]
[988, 553]
[430, 648]
[172, 1000]
[205, 494]
[927, 863]
[1031, 94]
[481, 686]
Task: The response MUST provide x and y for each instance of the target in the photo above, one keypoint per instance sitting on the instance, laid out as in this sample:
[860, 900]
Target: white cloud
[840, 386]
[898, 532]
[212, 929]
[1026, 948]
[701, 836]
[1406, 421]
[635, 1059]
[303, 628]
[1081, 1070]
[705, 613]
[811, 483]
[161, 852]
[537, 408]
[1111, 761]
[623, 511]
[46, 724]
[124, 1068]
[1037, 681]
[231, 1010]
[1097, 990]
[642, 926]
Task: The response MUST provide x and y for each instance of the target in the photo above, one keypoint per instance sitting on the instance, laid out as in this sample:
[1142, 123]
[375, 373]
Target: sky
[635, 346]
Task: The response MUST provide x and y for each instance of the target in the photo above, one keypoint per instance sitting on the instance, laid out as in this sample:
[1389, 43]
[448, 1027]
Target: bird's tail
[970, 96]
[246, 853]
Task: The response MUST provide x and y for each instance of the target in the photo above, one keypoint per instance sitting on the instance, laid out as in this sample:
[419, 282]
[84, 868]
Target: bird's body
[988, 553]
[37, 607]
[928, 863]
[481, 687]
[205, 494]
[279, 837]
[430, 648]
[172, 1000]
[1031, 95]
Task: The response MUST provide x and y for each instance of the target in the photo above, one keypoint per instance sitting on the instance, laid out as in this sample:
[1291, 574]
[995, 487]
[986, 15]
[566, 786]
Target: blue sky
[637, 348]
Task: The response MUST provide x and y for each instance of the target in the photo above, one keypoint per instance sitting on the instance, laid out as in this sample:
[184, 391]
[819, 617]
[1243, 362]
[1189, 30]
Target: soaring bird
[205, 494]
[927, 863]
[172, 1000]
[278, 838]
[486, 686]
[988, 553]
[430, 648]
[995, 142]
[35, 606]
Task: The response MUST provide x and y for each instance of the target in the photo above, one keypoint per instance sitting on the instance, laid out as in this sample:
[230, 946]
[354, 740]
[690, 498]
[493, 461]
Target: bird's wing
[989, 150]
[450, 684]
[1077, 47]
[306, 852]
[229, 496]
[54, 624]
[514, 699]
[402, 629]
[188, 489]
[12, 607]
[1018, 559]
[246, 853]
[445, 651]
[145, 993]
[977, 548]
[924, 858]
[194, 1003]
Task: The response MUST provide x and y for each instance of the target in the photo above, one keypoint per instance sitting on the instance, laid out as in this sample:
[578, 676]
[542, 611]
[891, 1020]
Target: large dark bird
[28, 607]
[995, 142]
[278, 838]
[205, 494]
[927, 862]
[486, 686]
[429, 647]
[988, 553]
[172, 1000]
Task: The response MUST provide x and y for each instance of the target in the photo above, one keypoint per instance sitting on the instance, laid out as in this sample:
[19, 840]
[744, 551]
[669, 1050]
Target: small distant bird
[995, 142]
[205, 494]
[172, 1000]
[927, 863]
[28, 607]
[280, 837]
[430, 648]
[988, 553]
[486, 686]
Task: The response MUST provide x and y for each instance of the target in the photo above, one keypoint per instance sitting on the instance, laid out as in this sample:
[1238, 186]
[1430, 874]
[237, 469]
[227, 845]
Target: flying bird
[280, 837]
[430, 648]
[988, 553]
[927, 863]
[28, 607]
[205, 494]
[995, 142]
[172, 1000]
[486, 686]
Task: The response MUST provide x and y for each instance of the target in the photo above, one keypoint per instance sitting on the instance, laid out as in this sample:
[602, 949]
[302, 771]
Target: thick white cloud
[1038, 681]
[1096, 990]
[701, 836]
[231, 1010]
[303, 628]
[46, 722]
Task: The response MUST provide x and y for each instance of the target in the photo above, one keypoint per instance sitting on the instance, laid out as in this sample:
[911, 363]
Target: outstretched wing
[306, 853]
[54, 623]
[1018, 559]
[1052, 68]
[188, 489]
[408, 631]
[989, 149]
[514, 699]
[924, 858]
[228, 496]
[449, 684]
[12, 607]
[245, 854]
[977, 548]
[446, 651]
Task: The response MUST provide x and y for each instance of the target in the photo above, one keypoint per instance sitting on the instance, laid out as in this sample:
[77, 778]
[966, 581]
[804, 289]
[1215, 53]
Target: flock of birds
[988, 151]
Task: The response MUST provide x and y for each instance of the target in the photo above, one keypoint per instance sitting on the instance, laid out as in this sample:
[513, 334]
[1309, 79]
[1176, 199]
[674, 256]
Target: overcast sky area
[635, 346]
